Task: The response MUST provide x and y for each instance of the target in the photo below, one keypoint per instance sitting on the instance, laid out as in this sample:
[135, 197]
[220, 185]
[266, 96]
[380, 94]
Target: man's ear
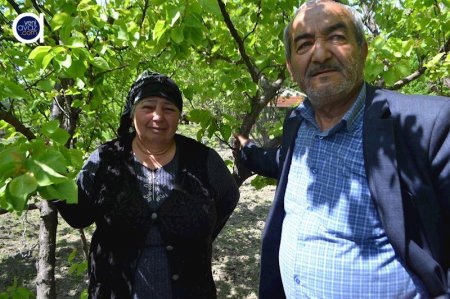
[289, 67]
[364, 51]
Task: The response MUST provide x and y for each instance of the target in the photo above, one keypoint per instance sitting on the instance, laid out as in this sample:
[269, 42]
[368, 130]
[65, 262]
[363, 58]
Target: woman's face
[156, 119]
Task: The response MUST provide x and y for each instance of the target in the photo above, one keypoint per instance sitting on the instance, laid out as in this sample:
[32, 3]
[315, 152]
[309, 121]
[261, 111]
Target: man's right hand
[242, 140]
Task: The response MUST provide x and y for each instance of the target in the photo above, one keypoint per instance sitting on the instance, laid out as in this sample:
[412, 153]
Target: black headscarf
[148, 84]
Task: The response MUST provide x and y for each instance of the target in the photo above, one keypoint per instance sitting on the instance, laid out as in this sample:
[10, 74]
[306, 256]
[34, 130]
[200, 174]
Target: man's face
[326, 60]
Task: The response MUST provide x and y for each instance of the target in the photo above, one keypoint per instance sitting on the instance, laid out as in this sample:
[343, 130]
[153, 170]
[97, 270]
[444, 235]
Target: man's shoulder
[402, 102]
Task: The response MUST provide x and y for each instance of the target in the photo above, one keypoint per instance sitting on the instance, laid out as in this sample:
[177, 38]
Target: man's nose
[320, 52]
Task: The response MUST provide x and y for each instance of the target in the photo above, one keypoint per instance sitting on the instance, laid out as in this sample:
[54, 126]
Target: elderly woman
[158, 200]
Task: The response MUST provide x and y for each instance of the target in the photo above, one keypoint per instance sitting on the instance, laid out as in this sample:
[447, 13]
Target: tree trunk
[45, 280]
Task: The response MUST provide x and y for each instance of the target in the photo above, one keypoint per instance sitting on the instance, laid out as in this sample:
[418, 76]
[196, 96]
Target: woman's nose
[158, 113]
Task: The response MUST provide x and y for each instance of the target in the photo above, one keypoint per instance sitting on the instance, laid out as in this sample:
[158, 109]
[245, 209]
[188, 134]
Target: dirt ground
[235, 256]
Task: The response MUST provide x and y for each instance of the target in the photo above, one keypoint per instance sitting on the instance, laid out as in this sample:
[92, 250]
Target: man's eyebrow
[303, 36]
[334, 27]
[328, 30]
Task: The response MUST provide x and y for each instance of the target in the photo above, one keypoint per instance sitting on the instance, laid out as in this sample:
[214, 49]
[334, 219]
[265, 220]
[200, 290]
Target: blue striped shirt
[333, 244]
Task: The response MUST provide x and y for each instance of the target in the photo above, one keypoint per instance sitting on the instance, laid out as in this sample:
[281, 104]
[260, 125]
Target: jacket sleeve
[82, 214]
[440, 156]
[262, 161]
[225, 187]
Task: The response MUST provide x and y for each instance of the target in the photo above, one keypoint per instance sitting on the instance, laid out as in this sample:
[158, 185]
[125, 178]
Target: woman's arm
[82, 214]
[227, 191]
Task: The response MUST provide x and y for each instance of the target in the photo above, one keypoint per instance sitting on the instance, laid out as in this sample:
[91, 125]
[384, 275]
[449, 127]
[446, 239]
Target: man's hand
[242, 140]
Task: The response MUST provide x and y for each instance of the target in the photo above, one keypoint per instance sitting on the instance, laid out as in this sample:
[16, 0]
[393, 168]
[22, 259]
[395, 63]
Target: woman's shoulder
[185, 141]
[115, 145]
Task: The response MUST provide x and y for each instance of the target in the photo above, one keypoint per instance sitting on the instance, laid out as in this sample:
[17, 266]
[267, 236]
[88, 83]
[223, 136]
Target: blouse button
[175, 277]
[154, 216]
[169, 247]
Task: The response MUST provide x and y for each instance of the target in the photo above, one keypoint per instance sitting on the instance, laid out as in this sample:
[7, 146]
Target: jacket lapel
[381, 166]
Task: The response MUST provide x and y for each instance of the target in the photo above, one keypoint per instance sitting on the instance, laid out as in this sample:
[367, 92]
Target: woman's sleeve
[82, 214]
[225, 187]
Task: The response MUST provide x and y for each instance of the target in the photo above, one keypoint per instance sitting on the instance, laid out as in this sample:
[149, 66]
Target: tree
[61, 98]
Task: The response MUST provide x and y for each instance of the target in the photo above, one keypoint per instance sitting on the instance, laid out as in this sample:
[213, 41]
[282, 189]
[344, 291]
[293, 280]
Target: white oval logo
[28, 28]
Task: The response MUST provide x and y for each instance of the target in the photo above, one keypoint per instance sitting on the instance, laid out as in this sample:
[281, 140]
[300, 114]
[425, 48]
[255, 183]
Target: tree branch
[38, 9]
[17, 124]
[258, 16]
[368, 18]
[240, 43]
[400, 83]
[143, 14]
[15, 6]
[30, 207]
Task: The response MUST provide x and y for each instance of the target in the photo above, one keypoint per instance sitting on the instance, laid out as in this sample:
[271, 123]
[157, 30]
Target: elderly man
[362, 206]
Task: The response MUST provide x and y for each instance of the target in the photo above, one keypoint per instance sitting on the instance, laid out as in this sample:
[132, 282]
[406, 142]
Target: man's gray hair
[356, 20]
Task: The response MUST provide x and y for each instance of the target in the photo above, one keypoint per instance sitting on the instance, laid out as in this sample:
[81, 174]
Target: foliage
[92, 52]
[411, 34]
[40, 166]
[76, 268]
[62, 98]
[15, 291]
[260, 182]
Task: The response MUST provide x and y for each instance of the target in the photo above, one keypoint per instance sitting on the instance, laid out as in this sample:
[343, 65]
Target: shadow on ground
[237, 249]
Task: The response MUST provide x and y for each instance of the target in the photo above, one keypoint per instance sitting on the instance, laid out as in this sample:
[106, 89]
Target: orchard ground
[235, 256]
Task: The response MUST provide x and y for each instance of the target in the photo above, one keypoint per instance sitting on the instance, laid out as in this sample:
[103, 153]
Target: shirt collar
[351, 118]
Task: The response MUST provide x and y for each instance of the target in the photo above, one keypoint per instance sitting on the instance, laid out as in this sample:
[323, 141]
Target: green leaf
[22, 186]
[46, 85]
[67, 191]
[211, 6]
[390, 77]
[225, 131]
[76, 42]
[11, 162]
[212, 128]
[177, 35]
[53, 160]
[200, 134]
[77, 69]
[73, 156]
[260, 182]
[199, 116]
[47, 176]
[175, 18]
[100, 63]
[160, 28]
[47, 59]
[58, 20]
[67, 62]
[72, 255]
[51, 130]
[12, 90]
[38, 50]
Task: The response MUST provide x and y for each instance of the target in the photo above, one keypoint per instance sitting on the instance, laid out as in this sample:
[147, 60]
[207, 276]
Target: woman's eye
[170, 109]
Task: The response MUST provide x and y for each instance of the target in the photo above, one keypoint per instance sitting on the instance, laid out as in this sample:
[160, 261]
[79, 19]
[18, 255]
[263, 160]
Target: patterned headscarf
[148, 84]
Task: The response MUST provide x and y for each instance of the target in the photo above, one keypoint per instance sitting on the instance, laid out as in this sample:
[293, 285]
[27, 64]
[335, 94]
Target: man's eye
[337, 38]
[304, 46]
